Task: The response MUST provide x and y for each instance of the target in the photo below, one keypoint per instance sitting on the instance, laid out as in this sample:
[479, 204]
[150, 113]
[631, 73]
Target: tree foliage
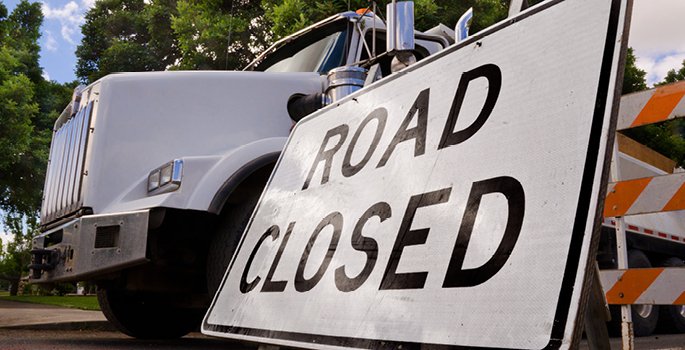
[288, 16]
[28, 108]
[633, 77]
[674, 75]
[139, 35]
[126, 36]
[19, 75]
[666, 137]
[15, 256]
[217, 35]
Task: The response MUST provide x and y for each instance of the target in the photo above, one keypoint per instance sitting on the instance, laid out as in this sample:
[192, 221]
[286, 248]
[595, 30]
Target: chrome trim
[176, 166]
[400, 26]
[463, 25]
[64, 177]
[74, 244]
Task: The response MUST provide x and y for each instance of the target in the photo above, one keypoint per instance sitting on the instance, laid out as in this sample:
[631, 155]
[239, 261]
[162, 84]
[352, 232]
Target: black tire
[147, 316]
[672, 317]
[645, 317]
[225, 240]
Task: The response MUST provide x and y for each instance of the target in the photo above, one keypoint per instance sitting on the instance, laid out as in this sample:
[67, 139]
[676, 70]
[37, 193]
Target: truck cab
[152, 177]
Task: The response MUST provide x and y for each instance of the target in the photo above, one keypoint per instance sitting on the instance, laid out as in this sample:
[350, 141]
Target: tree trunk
[14, 287]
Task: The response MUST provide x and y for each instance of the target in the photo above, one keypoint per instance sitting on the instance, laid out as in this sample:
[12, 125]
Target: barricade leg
[596, 316]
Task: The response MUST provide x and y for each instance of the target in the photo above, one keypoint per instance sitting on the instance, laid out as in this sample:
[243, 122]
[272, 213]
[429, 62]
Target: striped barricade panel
[652, 106]
[645, 195]
[657, 286]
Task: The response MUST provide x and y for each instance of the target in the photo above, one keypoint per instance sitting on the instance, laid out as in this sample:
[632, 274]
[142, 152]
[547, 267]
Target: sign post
[451, 204]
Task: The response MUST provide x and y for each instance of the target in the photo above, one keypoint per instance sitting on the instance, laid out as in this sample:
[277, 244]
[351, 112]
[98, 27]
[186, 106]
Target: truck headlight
[166, 178]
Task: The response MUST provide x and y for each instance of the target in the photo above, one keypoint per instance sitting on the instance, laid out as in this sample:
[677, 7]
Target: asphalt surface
[15, 314]
[44, 327]
[20, 339]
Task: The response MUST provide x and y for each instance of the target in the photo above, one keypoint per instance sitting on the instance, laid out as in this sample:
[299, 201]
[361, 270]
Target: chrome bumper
[90, 246]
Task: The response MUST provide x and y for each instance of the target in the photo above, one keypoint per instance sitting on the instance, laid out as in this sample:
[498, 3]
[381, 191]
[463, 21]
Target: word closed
[456, 275]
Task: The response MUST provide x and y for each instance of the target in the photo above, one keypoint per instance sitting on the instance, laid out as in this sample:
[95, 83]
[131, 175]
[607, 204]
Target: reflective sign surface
[451, 204]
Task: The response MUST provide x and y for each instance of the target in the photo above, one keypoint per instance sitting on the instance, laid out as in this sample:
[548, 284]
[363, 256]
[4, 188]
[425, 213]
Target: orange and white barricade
[625, 286]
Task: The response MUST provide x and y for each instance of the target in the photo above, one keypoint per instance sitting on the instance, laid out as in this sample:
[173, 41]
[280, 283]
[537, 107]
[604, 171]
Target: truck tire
[225, 240]
[147, 316]
[645, 317]
[672, 317]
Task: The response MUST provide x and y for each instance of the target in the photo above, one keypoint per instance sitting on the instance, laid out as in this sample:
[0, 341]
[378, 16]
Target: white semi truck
[152, 177]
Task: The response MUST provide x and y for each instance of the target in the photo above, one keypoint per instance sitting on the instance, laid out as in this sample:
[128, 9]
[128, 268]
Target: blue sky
[60, 35]
[656, 35]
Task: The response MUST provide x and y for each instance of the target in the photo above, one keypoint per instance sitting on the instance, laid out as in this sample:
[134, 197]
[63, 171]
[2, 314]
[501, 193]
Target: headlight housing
[166, 178]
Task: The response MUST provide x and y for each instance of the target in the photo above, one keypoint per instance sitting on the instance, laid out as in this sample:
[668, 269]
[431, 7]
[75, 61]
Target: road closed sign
[451, 204]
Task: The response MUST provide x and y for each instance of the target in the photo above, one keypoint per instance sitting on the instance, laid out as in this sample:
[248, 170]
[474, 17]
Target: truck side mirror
[400, 26]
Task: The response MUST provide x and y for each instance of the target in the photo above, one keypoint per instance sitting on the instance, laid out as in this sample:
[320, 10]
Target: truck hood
[139, 121]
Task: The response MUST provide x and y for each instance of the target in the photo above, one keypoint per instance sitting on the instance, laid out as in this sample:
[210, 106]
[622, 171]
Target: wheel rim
[645, 310]
[682, 311]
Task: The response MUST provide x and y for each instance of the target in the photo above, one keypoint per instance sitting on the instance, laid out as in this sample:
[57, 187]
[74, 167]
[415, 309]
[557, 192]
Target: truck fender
[229, 172]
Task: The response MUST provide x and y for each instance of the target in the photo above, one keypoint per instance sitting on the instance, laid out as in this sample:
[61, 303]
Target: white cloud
[657, 67]
[5, 238]
[656, 34]
[70, 17]
[68, 34]
[50, 42]
[45, 75]
[88, 4]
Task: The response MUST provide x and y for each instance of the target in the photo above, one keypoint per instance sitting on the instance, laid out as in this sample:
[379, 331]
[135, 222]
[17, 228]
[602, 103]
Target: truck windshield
[319, 50]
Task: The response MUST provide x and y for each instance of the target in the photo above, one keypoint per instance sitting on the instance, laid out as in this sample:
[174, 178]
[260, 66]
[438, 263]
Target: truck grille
[62, 193]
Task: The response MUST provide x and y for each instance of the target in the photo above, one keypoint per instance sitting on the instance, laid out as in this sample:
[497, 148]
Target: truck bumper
[90, 246]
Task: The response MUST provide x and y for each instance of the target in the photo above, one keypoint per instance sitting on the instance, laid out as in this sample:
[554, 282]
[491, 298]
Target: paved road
[59, 330]
[19, 314]
[661, 342]
[87, 340]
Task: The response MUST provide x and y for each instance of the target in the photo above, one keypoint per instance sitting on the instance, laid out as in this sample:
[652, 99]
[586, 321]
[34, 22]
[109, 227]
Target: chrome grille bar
[63, 182]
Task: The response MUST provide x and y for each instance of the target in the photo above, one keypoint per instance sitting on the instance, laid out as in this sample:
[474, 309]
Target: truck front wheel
[672, 317]
[645, 317]
[147, 315]
[232, 223]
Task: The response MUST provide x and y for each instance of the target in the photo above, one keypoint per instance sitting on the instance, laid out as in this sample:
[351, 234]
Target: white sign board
[451, 204]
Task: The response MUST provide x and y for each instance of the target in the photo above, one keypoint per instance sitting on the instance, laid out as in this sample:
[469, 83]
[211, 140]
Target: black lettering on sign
[277, 286]
[363, 244]
[381, 116]
[302, 284]
[513, 191]
[494, 76]
[326, 155]
[408, 237]
[417, 133]
[246, 287]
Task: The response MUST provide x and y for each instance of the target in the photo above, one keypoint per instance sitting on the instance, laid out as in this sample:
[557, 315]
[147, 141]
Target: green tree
[665, 138]
[288, 16]
[217, 35]
[15, 256]
[28, 108]
[23, 32]
[18, 108]
[633, 77]
[126, 36]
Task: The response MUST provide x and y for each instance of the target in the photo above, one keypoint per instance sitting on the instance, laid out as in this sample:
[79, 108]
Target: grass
[89, 302]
